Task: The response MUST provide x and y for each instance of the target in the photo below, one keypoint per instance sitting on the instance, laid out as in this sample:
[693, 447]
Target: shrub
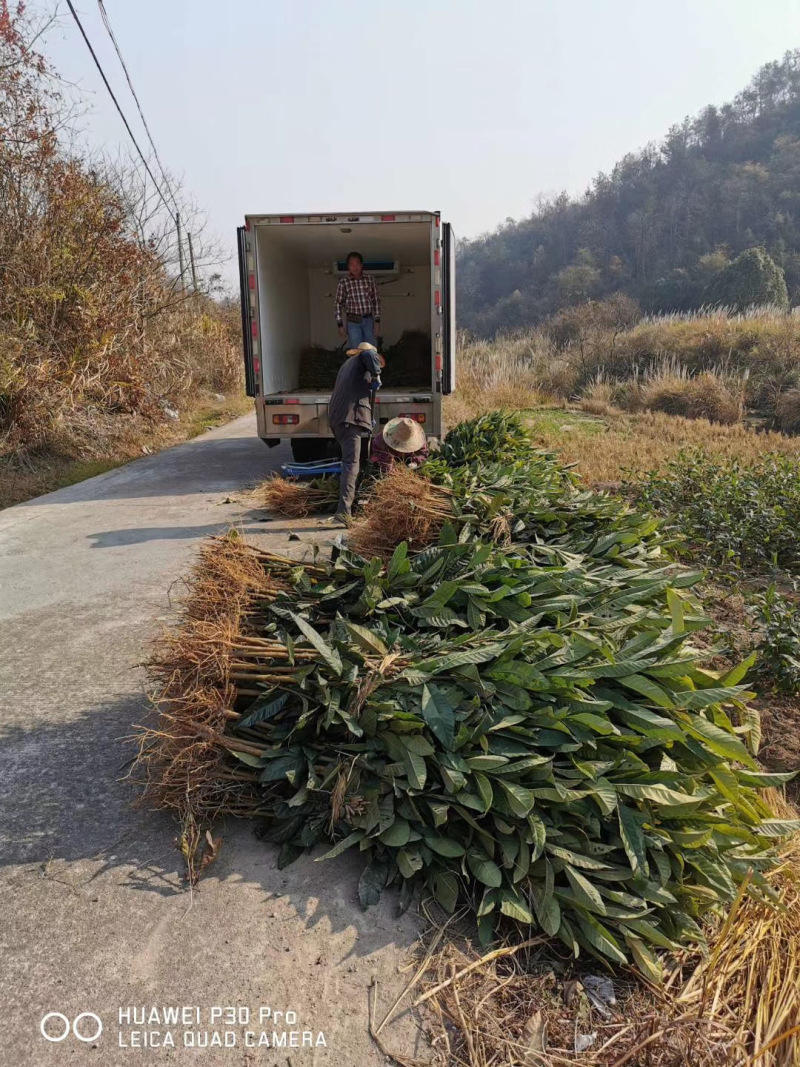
[739, 515]
[778, 651]
[707, 396]
[787, 411]
[753, 279]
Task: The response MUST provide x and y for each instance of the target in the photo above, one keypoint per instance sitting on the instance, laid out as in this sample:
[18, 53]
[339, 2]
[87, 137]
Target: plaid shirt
[359, 296]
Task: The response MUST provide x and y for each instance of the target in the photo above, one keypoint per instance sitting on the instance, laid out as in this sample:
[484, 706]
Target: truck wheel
[308, 449]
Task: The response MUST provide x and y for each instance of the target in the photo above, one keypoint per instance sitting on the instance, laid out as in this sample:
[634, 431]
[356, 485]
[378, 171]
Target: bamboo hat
[361, 348]
[404, 435]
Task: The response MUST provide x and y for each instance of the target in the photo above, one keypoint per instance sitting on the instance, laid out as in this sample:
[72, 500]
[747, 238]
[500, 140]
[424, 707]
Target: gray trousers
[350, 439]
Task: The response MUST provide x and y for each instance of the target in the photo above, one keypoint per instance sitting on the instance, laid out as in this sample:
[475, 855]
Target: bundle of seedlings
[319, 366]
[525, 732]
[296, 499]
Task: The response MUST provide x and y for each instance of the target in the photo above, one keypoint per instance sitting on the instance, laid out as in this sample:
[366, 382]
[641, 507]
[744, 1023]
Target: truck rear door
[247, 335]
[448, 309]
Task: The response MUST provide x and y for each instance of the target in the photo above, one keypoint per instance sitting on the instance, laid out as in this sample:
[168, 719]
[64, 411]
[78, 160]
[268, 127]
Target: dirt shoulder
[105, 442]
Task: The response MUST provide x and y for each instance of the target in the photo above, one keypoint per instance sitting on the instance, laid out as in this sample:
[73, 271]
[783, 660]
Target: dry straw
[295, 499]
[403, 506]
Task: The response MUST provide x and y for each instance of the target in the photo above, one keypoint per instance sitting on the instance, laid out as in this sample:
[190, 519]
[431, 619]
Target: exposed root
[403, 506]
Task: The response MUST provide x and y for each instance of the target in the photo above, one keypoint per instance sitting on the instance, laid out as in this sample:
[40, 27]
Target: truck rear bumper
[306, 416]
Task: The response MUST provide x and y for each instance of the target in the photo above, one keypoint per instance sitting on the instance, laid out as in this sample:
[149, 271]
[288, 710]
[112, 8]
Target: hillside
[662, 224]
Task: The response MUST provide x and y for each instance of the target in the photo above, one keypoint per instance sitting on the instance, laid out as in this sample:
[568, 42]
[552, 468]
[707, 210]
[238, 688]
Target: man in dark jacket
[350, 417]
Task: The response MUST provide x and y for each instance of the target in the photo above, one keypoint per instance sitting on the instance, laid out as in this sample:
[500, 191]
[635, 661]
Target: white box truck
[289, 268]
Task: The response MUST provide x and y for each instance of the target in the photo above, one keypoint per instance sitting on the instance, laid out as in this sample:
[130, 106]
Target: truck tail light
[291, 400]
[256, 366]
[254, 327]
[287, 218]
[388, 218]
[437, 298]
[417, 416]
[286, 420]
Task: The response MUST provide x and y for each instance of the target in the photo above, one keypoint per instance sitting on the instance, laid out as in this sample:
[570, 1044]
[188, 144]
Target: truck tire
[308, 449]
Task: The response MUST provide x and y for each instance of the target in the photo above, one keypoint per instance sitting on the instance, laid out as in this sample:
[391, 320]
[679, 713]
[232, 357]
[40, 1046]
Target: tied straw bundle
[403, 506]
[295, 499]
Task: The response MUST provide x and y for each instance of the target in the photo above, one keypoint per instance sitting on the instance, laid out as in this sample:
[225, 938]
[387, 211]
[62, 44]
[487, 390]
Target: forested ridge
[662, 225]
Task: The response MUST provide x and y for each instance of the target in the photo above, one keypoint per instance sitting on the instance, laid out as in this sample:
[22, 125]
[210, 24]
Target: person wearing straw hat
[350, 418]
[401, 440]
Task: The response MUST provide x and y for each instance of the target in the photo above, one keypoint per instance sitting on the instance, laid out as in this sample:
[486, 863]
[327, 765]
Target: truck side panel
[244, 292]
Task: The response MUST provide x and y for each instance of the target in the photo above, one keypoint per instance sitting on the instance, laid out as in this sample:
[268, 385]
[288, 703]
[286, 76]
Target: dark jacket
[349, 403]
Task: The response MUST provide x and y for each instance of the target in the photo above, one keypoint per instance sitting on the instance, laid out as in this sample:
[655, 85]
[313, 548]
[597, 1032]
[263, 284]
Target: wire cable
[116, 104]
[110, 31]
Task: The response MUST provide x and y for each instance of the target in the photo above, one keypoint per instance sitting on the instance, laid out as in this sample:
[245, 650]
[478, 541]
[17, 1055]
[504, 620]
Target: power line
[116, 104]
[107, 24]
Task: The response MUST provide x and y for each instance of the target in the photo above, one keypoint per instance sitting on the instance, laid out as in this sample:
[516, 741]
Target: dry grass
[787, 411]
[183, 757]
[403, 506]
[296, 499]
[524, 1005]
[755, 356]
[637, 443]
[98, 443]
[707, 396]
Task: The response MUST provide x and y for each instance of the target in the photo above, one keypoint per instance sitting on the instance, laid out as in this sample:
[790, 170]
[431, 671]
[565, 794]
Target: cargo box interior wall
[297, 289]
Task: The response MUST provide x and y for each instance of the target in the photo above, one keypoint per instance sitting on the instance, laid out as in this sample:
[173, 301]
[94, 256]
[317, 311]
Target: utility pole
[191, 260]
[180, 250]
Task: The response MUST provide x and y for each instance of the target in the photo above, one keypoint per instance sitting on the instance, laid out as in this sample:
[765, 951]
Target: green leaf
[398, 563]
[545, 905]
[486, 763]
[248, 758]
[368, 641]
[539, 833]
[266, 707]
[633, 840]
[438, 714]
[520, 800]
[342, 846]
[444, 846]
[659, 794]
[485, 789]
[648, 688]
[584, 890]
[371, 882]
[397, 834]
[675, 603]
[445, 890]
[416, 769]
[646, 961]
[778, 827]
[737, 673]
[409, 861]
[720, 741]
[329, 655]
[599, 938]
[485, 870]
[514, 907]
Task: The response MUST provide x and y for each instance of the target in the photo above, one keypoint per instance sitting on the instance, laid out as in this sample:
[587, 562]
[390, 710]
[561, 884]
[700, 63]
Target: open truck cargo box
[290, 266]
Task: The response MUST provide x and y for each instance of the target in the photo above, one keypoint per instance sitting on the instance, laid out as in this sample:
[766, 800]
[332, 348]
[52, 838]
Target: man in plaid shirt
[358, 306]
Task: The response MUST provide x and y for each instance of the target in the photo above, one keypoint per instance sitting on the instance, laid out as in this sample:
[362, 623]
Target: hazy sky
[471, 108]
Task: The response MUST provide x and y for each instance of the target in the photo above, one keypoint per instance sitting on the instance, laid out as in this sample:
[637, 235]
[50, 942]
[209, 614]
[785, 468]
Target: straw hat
[404, 435]
[361, 348]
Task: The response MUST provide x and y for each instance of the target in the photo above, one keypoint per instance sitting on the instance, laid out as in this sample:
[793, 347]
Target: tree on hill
[661, 224]
[753, 279]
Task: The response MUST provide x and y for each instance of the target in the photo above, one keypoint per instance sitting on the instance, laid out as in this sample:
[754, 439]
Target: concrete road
[93, 914]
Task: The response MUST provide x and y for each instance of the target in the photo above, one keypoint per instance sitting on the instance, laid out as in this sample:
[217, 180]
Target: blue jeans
[361, 331]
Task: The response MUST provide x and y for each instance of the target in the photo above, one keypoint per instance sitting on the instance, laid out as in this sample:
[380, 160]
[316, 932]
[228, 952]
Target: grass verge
[108, 444]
